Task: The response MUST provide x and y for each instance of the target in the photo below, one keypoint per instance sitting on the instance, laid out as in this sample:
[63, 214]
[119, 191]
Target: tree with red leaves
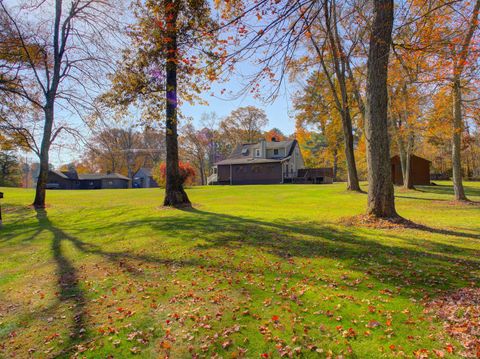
[186, 173]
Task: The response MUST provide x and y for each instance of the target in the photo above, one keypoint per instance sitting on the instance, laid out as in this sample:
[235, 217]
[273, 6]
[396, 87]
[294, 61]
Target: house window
[257, 152]
[275, 152]
[214, 170]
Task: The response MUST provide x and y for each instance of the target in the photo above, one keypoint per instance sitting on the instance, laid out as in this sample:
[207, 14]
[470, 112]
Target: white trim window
[257, 152]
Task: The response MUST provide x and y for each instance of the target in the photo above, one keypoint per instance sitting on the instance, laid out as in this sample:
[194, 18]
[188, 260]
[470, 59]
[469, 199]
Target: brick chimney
[263, 148]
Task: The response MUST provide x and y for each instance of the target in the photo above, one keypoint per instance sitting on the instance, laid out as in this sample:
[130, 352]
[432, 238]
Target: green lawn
[252, 271]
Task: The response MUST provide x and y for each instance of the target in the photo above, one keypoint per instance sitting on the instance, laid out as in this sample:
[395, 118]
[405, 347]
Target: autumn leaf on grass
[449, 348]
[373, 324]
[135, 350]
[165, 345]
[439, 353]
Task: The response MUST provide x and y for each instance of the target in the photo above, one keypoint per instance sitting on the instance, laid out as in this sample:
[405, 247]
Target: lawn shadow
[422, 198]
[447, 232]
[67, 278]
[448, 190]
[411, 267]
[286, 239]
[417, 270]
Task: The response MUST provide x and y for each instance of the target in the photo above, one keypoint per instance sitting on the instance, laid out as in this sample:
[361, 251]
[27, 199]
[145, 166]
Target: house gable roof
[145, 171]
[244, 153]
[101, 176]
[59, 174]
[90, 176]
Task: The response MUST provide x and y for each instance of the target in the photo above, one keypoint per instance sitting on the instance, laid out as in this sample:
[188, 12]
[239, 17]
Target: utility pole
[1, 197]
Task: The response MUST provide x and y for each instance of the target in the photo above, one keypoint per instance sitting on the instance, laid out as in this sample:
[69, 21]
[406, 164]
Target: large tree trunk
[40, 192]
[175, 195]
[457, 141]
[381, 200]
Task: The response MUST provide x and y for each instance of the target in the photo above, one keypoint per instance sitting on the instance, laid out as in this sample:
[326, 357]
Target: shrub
[187, 173]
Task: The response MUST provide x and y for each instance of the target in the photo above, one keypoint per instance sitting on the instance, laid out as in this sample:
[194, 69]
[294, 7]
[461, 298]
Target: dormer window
[257, 152]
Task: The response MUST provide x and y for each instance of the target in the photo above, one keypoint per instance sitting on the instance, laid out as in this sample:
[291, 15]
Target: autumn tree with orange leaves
[170, 61]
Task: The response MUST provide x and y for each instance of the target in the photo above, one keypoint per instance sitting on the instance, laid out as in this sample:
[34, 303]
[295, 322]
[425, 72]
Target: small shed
[419, 170]
[144, 179]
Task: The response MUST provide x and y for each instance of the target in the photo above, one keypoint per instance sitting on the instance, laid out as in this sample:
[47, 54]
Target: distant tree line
[126, 150]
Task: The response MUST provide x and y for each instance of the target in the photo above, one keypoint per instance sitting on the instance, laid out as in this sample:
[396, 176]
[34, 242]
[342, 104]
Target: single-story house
[259, 163]
[143, 179]
[419, 170]
[74, 180]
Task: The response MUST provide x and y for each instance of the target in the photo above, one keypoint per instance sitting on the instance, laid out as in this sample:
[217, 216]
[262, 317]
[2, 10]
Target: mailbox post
[1, 197]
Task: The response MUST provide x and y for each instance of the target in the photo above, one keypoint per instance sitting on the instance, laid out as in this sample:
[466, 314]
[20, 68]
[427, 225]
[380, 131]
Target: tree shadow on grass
[448, 190]
[68, 280]
[308, 240]
[68, 276]
[408, 265]
[421, 198]
[418, 271]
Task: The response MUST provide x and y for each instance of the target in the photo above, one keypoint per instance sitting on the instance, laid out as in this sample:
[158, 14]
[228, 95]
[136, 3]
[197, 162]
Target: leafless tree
[62, 49]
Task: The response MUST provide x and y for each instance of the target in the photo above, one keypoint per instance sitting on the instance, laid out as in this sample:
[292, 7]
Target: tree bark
[353, 184]
[457, 141]
[407, 179]
[335, 164]
[175, 195]
[381, 200]
[40, 191]
[339, 59]
[458, 68]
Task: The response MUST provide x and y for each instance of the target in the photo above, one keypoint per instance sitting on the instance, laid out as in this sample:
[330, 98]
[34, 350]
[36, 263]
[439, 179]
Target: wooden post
[1, 196]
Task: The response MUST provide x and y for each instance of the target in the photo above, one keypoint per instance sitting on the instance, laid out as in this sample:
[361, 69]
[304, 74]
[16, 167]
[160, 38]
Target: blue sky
[279, 112]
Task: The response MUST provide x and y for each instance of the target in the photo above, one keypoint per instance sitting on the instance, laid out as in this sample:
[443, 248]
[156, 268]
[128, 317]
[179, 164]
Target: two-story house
[260, 163]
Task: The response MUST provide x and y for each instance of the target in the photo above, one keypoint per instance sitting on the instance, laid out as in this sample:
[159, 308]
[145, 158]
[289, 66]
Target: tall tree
[244, 125]
[338, 80]
[381, 200]
[315, 108]
[57, 49]
[169, 62]
[459, 62]
[10, 171]
[194, 146]
[123, 150]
